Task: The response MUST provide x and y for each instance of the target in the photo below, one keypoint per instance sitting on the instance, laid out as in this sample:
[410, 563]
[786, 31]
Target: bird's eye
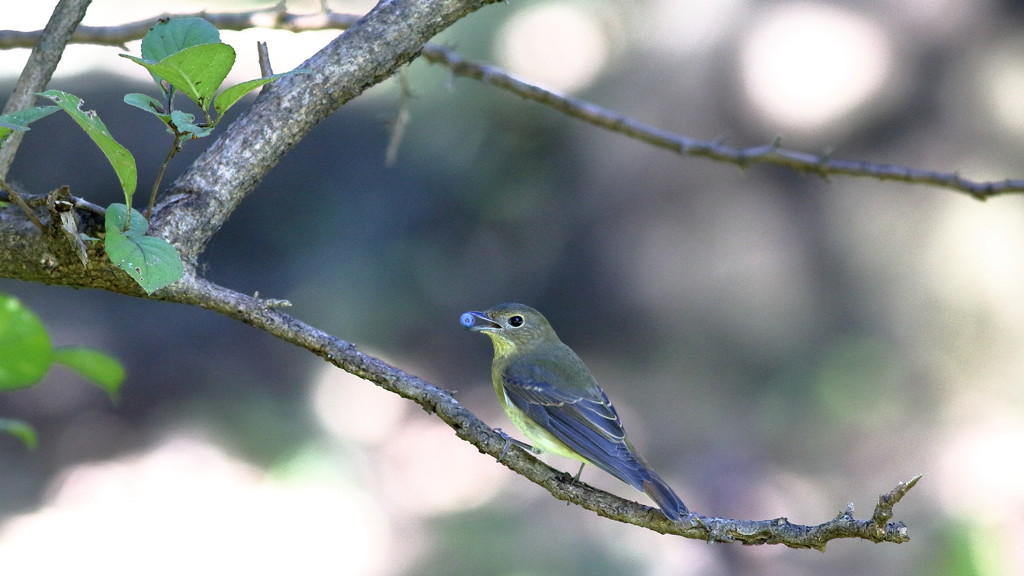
[515, 321]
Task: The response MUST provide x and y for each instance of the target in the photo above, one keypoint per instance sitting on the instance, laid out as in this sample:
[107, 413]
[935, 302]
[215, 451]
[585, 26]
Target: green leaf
[186, 126]
[119, 157]
[22, 118]
[25, 350]
[116, 217]
[175, 34]
[151, 105]
[172, 36]
[99, 367]
[230, 96]
[150, 261]
[198, 71]
[20, 429]
[146, 102]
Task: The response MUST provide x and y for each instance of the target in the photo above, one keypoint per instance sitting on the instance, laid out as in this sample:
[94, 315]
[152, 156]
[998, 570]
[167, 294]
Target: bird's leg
[576, 478]
[509, 441]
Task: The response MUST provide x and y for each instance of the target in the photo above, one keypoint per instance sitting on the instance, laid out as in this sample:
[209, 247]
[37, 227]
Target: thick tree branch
[46, 54]
[202, 198]
[208, 192]
[371, 50]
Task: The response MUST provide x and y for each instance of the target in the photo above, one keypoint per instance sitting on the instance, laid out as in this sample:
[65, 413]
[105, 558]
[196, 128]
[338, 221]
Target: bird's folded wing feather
[581, 417]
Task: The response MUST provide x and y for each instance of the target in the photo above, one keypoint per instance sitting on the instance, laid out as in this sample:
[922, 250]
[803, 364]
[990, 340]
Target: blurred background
[777, 344]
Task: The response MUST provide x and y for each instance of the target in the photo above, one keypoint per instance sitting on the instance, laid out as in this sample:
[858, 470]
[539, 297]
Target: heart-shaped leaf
[175, 34]
[150, 261]
[198, 71]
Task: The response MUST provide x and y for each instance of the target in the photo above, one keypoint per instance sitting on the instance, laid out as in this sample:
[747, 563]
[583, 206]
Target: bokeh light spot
[806, 65]
[557, 46]
[690, 26]
[352, 409]
[187, 507]
[1000, 77]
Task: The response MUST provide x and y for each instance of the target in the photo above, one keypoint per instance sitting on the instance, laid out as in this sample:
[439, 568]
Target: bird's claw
[509, 441]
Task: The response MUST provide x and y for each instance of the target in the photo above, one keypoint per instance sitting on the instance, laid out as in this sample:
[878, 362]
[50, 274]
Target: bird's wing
[582, 418]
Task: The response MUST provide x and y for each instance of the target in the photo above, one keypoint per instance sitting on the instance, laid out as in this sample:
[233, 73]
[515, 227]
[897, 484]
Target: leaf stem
[175, 148]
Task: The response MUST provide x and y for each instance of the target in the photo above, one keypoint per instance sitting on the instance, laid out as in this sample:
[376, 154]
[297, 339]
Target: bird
[550, 395]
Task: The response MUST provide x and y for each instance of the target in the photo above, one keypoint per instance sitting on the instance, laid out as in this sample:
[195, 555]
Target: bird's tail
[666, 499]
[628, 466]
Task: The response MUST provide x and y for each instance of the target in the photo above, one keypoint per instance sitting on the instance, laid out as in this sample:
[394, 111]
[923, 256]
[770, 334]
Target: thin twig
[822, 165]
[266, 68]
[396, 134]
[276, 17]
[83, 204]
[80, 203]
[175, 148]
[17, 199]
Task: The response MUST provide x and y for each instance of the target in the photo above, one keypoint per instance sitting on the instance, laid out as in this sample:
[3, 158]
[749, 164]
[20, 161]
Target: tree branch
[201, 199]
[46, 54]
[276, 17]
[267, 317]
[823, 165]
[371, 50]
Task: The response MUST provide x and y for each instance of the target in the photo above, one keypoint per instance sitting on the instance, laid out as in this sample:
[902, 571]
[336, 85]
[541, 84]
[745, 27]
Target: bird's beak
[478, 322]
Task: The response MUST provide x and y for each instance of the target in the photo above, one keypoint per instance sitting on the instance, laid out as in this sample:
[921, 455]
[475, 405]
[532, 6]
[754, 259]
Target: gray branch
[822, 165]
[43, 60]
[371, 50]
[267, 316]
[276, 17]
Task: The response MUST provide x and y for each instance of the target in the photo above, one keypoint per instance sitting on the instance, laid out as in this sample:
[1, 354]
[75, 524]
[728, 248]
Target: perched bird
[549, 393]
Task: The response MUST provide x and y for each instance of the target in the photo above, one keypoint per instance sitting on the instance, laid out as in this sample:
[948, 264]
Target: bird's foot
[509, 441]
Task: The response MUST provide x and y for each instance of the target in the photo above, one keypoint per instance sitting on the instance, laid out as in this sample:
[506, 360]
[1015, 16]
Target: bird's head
[510, 326]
